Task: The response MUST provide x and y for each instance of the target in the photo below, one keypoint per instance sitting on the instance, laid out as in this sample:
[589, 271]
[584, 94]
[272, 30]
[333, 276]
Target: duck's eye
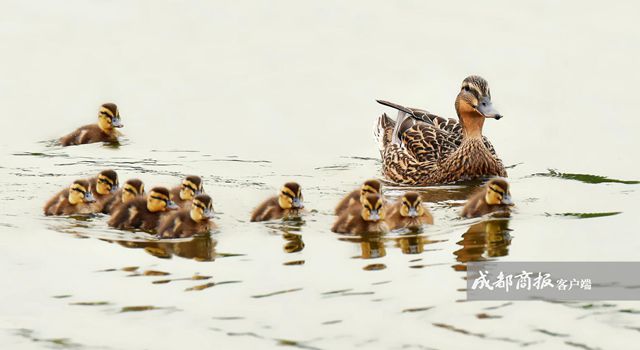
[130, 190]
[466, 88]
[160, 199]
[79, 190]
[184, 186]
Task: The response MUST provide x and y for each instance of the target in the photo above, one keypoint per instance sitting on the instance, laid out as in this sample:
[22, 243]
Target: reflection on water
[200, 248]
[483, 240]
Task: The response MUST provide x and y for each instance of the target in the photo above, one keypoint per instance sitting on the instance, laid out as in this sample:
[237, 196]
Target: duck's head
[290, 196]
[411, 205]
[80, 192]
[191, 186]
[473, 103]
[131, 189]
[368, 187]
[158, 200]
[372, 208]
[201, 208]
[109, 117]
[497, 192]
[107, 182]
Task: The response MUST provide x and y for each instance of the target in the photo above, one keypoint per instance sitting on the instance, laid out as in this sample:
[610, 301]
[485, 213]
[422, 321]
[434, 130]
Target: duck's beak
[486, 109]
[413, 212]
[506, 200]
[116, 123]
[171, 205]
[297, 203]
[89, 198]
[114, 188]
[374, 215]
[208, 213]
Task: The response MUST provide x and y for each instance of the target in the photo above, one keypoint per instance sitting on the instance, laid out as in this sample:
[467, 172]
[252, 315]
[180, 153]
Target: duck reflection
[482, 241]
[293, 242]
[200, 248]
[411, 244]
[290, 230]
[371, 245]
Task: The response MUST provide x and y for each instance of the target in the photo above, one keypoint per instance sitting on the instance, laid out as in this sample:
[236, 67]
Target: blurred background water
[250, 95]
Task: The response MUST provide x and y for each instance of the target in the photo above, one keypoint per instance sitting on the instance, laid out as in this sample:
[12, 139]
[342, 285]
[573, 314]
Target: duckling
[409, 212]
[143, 213]
[131, 189]
[493, 197]
[356, 196]
[103, 131]
[287, 204]
[191, 186]
[104, 187]
[188, 222]
[77, 199]
[421, 148]
[367, 218]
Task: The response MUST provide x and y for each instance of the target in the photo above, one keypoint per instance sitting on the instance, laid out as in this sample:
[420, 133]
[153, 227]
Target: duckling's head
[291, 196]
[107, 182]
[497, 192]
[372, 208]
[411, 205]
[80, 192]
[474, 99]
[131, 189]
[369, 186]
[201, 208]
[158, 200]
[191, 186]
[109, 117]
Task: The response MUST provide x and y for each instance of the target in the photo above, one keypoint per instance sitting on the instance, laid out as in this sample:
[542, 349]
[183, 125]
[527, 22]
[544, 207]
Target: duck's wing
[428, 143]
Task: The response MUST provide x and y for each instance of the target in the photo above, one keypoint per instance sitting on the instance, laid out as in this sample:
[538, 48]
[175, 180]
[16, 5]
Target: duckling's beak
[171, 205]
[116, 123]
[89, 198]
[486, 109]
[374, 215]
[208, 214]
[297, 203]
[506, 200]
[413, 212]
[114, 188]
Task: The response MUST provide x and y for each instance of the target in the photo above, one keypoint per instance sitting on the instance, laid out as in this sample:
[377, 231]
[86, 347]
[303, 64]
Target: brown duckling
[367, 218]
[143, 213]
[77, 199]
[493, 197]
[103, 131]
[132, 188]
[104, 187]
[409, 212]
[191, 186]
[287, 204]
[356, 196]
[188, 222]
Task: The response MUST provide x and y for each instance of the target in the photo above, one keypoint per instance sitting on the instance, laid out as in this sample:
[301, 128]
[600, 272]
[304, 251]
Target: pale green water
[251, 96]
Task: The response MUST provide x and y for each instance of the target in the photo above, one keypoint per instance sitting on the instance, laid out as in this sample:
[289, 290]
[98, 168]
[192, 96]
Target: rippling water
[252, 96]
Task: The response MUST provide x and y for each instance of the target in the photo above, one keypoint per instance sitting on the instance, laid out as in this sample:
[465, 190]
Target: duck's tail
[383, 131]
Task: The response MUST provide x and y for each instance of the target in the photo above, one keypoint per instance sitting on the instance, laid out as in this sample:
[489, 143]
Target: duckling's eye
[79, 190]
[184, 186]
[466, 88]
[160, 199]
[130, 190]
[287, 194]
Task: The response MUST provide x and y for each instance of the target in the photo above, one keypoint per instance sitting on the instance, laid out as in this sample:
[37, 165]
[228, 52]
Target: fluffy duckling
[356, 196]
[191, 186]
[104, 187]
[103, 131]
[143, 213]
[287, 204]
[493, 197]
[188, 222]
[77, 199]
[367, 218]
[132, 188]
[409, 212]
